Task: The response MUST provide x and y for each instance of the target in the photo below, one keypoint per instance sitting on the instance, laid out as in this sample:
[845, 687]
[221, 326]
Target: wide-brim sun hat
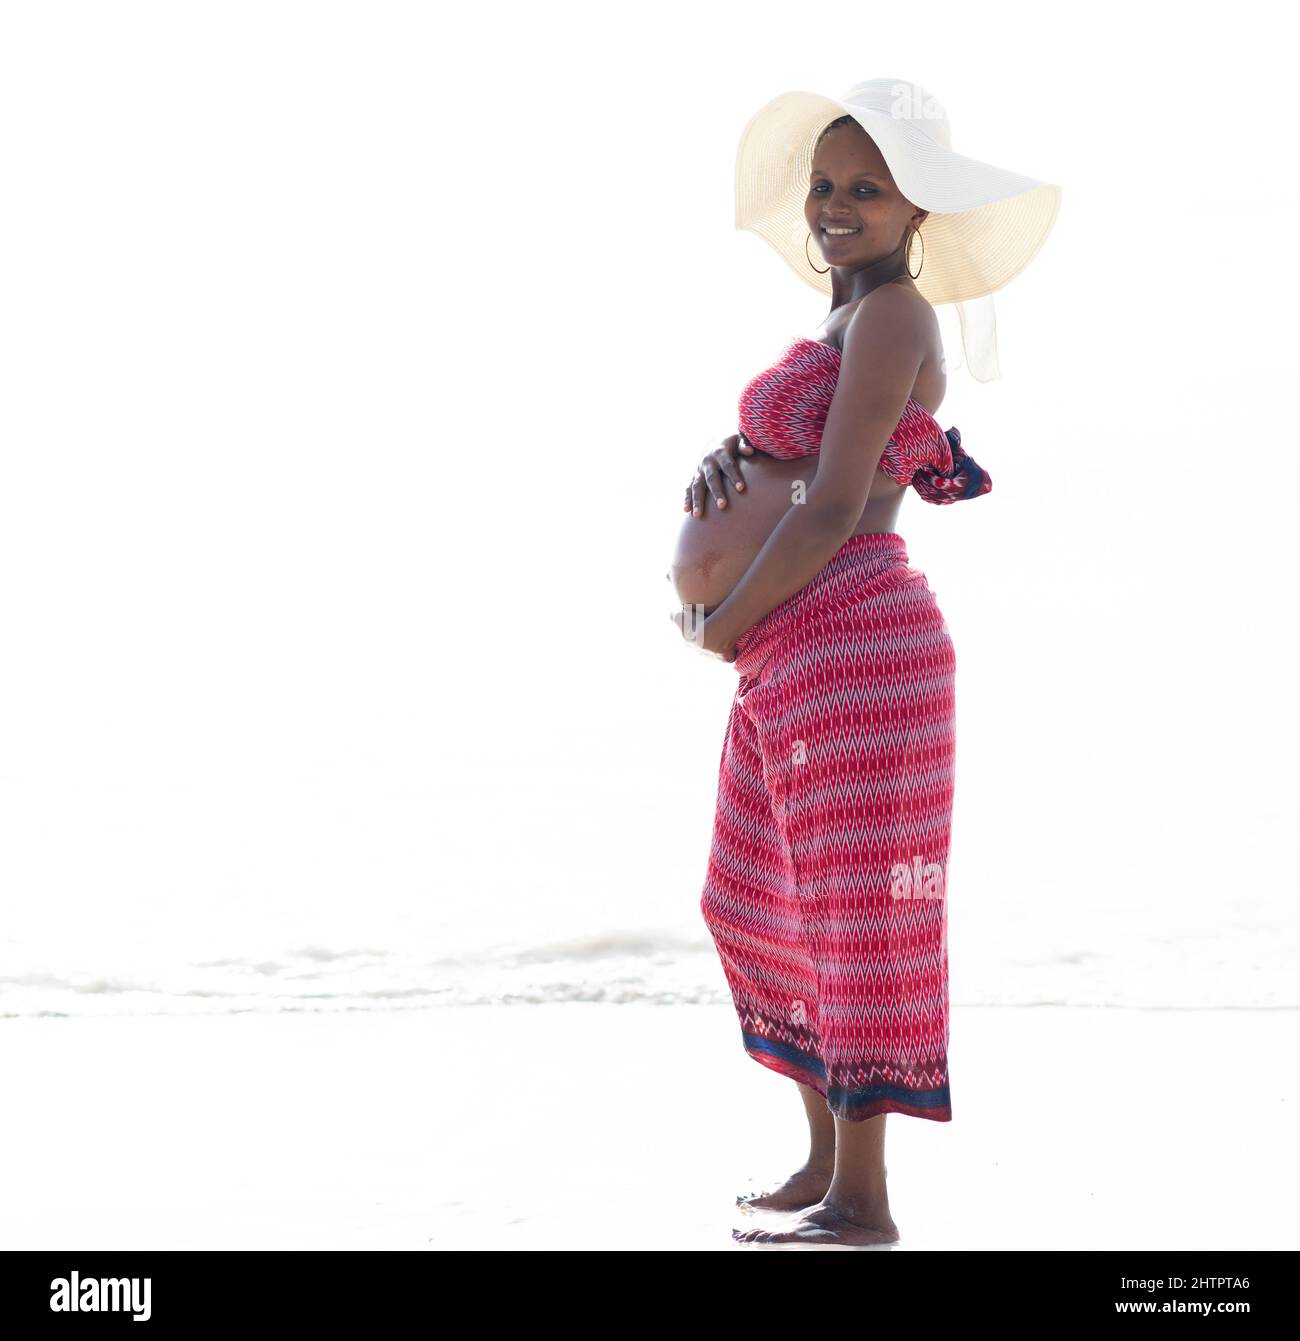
[985, 223]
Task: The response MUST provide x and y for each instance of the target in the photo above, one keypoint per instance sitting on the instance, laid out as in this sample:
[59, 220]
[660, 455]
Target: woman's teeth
[839, 232]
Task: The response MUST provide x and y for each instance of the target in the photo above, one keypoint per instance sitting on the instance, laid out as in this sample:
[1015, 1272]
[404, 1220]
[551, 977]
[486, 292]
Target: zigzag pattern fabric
[826, 886]
[783, 411]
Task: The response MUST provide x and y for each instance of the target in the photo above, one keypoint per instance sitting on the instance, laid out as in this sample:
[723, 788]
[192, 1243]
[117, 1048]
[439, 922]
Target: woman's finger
[697, 495]
[713, 478]
[727, 464]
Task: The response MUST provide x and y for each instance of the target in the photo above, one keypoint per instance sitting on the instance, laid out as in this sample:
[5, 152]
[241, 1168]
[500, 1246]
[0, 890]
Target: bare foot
[825, 1226]
[805, 1187]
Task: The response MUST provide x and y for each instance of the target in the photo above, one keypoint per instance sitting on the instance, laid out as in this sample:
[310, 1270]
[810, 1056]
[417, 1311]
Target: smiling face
[851, 187]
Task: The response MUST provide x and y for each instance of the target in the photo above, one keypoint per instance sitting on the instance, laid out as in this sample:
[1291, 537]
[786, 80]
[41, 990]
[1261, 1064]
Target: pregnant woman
[826, 885]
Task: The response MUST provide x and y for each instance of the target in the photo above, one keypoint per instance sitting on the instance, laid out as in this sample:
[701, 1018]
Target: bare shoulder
[897, 308]
[900, 333]
[892, 327]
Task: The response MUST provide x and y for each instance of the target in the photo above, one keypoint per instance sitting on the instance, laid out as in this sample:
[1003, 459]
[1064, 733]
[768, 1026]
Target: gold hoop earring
[806, 241]
[907, 255]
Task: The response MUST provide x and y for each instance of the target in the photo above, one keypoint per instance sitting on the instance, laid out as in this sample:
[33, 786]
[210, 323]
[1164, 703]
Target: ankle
[862, 1199]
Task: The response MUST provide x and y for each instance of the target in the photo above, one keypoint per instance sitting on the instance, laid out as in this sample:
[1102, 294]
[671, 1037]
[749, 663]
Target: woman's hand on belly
[713, 472]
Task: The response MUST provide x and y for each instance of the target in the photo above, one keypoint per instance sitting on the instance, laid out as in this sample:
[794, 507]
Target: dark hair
[839, 121]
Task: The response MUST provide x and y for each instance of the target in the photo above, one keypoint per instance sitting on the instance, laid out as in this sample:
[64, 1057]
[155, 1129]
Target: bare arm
[884, 346]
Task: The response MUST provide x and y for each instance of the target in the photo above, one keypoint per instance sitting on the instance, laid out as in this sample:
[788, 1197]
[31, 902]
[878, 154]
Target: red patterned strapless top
[783, 412]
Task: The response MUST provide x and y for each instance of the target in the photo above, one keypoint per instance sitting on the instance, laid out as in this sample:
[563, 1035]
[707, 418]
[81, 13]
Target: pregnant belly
[713, 551]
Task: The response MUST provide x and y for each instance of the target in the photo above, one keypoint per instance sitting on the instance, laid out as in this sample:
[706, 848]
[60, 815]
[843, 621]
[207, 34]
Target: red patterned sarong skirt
[826, 890]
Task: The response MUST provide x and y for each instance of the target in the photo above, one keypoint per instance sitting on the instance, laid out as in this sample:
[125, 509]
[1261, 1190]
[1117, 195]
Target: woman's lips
[838, 237]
